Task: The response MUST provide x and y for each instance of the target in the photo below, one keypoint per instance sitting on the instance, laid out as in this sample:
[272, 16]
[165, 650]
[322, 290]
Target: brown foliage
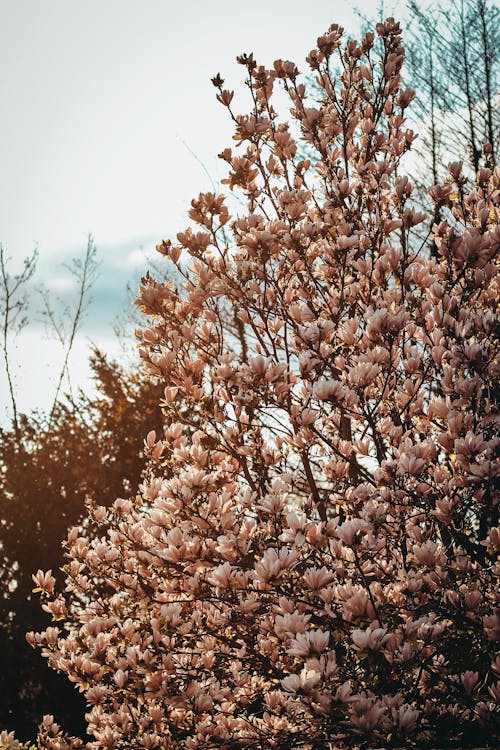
[90, 450]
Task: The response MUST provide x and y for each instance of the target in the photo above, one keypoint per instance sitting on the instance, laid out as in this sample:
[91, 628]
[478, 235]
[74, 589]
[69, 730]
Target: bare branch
[85, 271]
[13, 308]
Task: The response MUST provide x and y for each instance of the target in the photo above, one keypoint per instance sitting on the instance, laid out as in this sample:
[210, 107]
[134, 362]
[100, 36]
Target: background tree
[315, 563]
[13, 309]
[20, 684]
[87, 447]
[453, 55]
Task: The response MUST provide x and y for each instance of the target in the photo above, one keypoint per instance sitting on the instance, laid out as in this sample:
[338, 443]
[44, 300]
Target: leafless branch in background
[14, 302]
[85, 272]
[452, 59]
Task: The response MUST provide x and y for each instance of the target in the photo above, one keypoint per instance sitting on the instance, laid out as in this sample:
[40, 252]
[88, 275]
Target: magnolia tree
[314, 562]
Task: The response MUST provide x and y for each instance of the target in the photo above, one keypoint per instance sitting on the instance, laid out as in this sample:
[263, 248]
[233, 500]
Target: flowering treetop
[314, 562]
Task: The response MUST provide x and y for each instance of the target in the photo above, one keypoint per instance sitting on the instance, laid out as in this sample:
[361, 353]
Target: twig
[86, 274]
[12, 309]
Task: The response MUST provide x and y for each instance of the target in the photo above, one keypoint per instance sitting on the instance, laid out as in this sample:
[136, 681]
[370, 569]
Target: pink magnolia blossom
[469, 680]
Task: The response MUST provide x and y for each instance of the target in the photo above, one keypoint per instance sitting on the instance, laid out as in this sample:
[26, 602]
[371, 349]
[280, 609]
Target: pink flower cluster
[315, 562]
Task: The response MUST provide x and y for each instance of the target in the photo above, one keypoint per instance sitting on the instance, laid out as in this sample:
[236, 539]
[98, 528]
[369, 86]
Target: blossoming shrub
[315, 562]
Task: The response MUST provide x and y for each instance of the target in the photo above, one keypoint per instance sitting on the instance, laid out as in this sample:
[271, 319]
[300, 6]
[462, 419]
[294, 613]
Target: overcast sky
[103, 102]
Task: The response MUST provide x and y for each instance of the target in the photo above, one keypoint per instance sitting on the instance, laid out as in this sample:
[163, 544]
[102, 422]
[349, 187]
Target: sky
[110, 127]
